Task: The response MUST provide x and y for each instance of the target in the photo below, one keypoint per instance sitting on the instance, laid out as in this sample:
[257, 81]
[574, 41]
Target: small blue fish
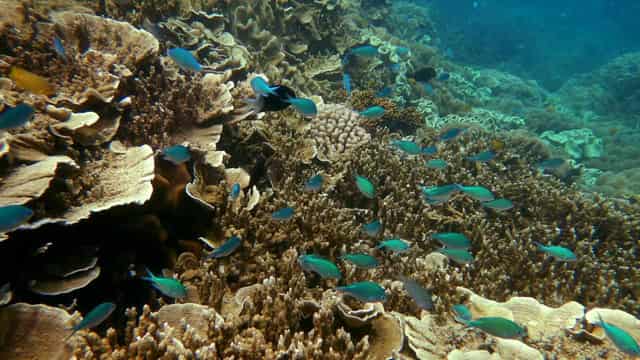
[314, 183]
[460, 256]
[346, 83]
[409, 147]
[364, 50]
[304, 106]
[372, 112]
[365, 291]
[167, 286]
[498, 326]
[622, 339]
[324, 268]
[16, 116]
[366, 187]
[177, 154]
[499, 204]
[441, 193]
[235, 191]
[384, 92]
[282, 214]
[395, 245]
[479, 193]
[429, 150]
[550, 164]
[402, 50]
[443, 76]
[394, 67]
[448, 52]
[94, 318]
[462, 313]
[227, 248]
[436, 164]
[428, 88]
[373, 228]
[484, 156]
[364, 261]
[59, 48]
[419, 294]
[12, 216]
[453, 240]
[561, 253]
[185, 59]
[260, 86]
[451, 134]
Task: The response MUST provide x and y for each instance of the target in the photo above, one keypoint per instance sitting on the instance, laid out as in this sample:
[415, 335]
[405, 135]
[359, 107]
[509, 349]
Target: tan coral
[58, 286]
[33, 332]
[183, 316]
[129, 45]
[119, 179]
[542, 322]
[336, 131]
[29, 182]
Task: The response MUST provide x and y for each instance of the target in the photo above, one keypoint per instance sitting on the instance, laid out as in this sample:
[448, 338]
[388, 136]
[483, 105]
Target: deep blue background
[545, 40]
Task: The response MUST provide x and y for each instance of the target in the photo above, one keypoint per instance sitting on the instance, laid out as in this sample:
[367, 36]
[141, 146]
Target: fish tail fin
[539, 245]
[255, 105]
[150, 276]
[600, 321]
[70, 335]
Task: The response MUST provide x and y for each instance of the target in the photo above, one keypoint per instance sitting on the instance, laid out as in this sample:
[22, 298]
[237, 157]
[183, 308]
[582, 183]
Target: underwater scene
[319, 179]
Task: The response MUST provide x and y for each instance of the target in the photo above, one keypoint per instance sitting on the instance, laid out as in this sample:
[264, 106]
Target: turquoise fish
[479, 193]
[94, 318]
[622, 339]
[364, 261]
[283, 214]
[439, 193]
[319, 265]
[235, 191]
[419, 294]
[395, 245]
[177, 154]
[436, 164]
[484, 156]
[499, 204]
[373, 228]
[372, 112]
[451, 134]
[462, 313]
[184, 59]
[409, 147]
[429, 150]
[16, 116]
[498, 326]
[550, 164]
[226, 248]
[365, 291]
[261, 87]
[12, 216]
[59, 48]
[561, 253]
[306, 107]
[167, 286]
[460, 256]
[314, 183]
[366, 187]
[346, 83]
[364, 50]
[453, 240]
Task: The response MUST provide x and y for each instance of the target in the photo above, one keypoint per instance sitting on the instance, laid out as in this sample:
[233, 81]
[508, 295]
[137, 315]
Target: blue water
[545, 40]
